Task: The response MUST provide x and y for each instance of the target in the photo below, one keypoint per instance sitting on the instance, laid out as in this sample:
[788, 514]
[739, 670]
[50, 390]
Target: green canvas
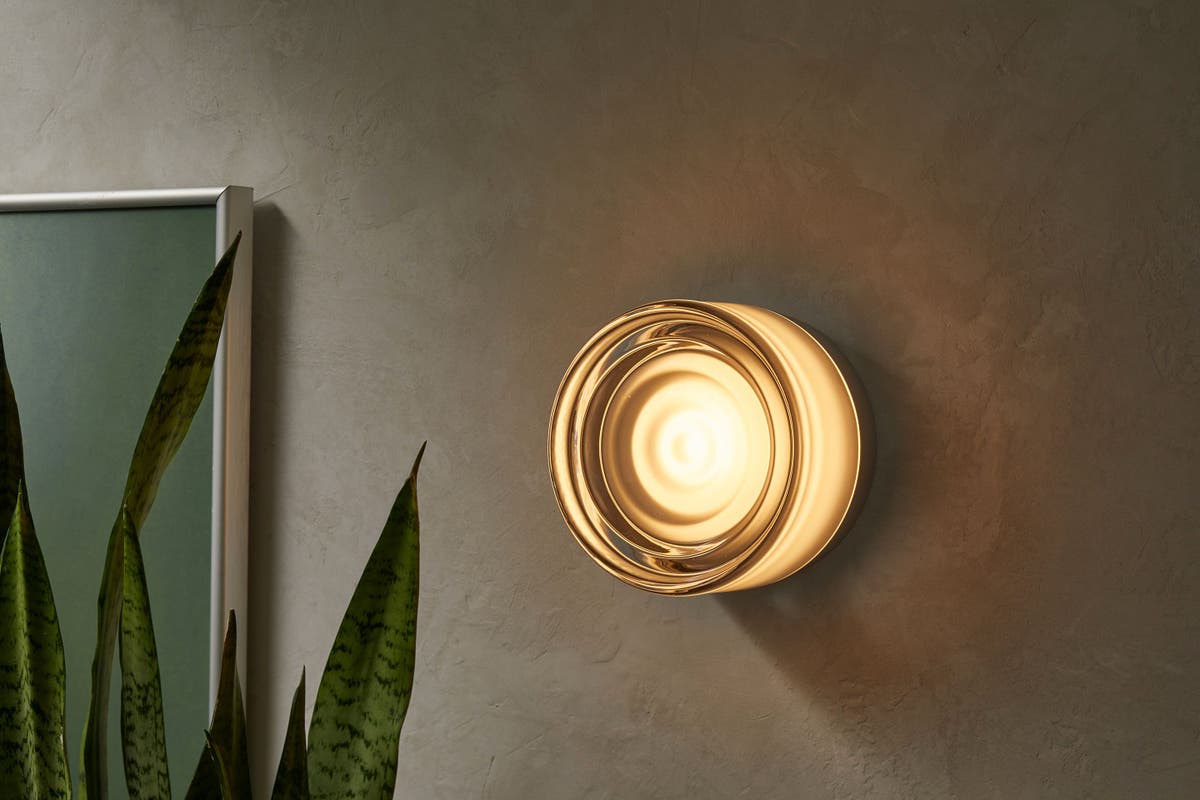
[90, 304]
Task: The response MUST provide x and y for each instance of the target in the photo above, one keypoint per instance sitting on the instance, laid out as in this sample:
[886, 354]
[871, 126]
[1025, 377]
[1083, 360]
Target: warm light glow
[702, 447]
[684, 446]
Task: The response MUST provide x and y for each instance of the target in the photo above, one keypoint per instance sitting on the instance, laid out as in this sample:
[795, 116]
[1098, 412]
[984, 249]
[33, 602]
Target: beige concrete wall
[995, 209]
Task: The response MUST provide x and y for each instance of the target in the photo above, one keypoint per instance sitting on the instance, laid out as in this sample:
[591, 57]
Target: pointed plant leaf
[227, 733]
[12, 466]
[33, 753]
[143, 736]
[217, 786]
[93, 765]
[207, 782]
[180, 390]
[364, 691]
[291, 779]
[179, 394]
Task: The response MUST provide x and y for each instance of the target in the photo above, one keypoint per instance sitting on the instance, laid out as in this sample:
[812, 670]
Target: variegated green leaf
[207, 781]
[143, 736]
[220, 788]
[93, 766]
[291, 779]
[230, 770]
[12, 465]
[33, 752]
[180, 390]
[178, 396]
[365, 689]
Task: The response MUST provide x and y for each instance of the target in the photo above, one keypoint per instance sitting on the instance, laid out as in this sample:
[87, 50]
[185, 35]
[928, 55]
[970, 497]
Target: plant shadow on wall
[352, 741]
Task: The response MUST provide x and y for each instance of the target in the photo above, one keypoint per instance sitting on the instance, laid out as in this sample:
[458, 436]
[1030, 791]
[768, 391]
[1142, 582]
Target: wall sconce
[708, 447]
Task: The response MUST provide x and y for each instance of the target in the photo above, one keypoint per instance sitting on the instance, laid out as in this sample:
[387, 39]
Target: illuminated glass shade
[707, 447]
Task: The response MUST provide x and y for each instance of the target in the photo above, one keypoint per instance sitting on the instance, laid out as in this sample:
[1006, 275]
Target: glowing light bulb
[701, 447]
[687, 446]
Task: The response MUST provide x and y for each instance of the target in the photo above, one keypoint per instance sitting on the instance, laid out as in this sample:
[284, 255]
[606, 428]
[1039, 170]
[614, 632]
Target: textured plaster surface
[993, 206]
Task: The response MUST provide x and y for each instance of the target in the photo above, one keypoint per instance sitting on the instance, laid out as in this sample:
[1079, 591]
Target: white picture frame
[233, 206]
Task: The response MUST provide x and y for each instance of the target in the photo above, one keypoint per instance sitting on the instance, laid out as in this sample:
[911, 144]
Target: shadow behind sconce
[708, 447]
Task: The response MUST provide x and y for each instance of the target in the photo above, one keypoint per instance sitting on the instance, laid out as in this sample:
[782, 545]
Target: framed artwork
[94, 288]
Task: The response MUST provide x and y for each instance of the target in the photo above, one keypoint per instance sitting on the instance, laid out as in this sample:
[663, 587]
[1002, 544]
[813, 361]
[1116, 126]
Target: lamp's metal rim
[867, 444]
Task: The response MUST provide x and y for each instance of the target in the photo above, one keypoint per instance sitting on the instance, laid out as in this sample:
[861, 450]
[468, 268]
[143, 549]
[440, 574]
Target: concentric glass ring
[704, 447]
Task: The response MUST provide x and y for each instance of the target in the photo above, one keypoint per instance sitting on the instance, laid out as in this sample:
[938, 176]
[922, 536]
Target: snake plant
[363, 695]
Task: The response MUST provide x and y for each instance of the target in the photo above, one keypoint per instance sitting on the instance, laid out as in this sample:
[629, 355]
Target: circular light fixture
[707, 447]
